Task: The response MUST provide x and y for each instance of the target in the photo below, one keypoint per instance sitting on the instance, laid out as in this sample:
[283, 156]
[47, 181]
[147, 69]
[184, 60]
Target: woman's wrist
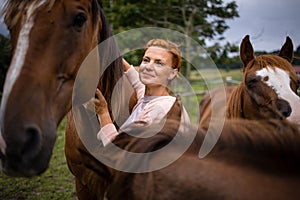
[104, 119]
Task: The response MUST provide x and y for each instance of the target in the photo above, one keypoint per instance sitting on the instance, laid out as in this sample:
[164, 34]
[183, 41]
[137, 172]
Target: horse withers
[268, 88]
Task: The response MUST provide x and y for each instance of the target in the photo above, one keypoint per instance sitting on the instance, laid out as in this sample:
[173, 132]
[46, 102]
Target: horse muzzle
[294, 102]
[27, 156]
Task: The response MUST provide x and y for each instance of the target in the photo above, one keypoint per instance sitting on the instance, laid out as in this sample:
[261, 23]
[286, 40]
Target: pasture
[57, 182]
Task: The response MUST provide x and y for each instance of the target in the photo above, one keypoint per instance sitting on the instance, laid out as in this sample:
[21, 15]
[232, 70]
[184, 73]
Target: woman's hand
[100, 103]
[101, 109]
[126, 65]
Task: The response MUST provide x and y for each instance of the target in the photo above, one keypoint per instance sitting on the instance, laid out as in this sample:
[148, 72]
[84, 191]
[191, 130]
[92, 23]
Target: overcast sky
[268, 22]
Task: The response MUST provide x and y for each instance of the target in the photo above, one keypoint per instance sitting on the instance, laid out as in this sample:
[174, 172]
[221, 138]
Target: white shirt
[148, 110]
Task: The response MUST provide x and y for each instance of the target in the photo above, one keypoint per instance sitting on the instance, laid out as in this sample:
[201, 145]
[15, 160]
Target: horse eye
[79, 20]
[251, 82]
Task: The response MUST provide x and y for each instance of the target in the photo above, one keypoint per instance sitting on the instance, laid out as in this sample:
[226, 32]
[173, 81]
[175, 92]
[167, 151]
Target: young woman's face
[156, 67]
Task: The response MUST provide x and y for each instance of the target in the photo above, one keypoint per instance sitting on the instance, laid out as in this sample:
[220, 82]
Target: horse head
[269, 86]
[50, 40]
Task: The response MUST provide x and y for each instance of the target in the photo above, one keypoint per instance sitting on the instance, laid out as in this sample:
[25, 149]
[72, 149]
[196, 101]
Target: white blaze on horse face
[22, 47]
[279, 80]
[18, 58]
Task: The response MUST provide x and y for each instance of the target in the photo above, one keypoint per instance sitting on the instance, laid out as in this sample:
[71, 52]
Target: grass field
[57, 182]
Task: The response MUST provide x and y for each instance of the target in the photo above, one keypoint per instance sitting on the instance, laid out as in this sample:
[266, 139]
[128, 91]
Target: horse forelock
[273, 61]
[13, 9]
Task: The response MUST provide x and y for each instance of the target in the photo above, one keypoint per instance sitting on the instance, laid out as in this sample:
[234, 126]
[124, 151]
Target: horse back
[205, 106]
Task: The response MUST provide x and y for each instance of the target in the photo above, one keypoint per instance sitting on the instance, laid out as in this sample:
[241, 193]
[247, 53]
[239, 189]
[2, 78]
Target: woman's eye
[159, 63]
[145, 60]
[79, 20]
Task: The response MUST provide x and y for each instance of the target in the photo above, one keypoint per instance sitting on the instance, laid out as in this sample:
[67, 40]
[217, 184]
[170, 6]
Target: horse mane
[115, 70]
[234, 108]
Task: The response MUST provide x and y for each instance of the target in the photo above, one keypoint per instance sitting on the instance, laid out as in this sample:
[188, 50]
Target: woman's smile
[147, 75]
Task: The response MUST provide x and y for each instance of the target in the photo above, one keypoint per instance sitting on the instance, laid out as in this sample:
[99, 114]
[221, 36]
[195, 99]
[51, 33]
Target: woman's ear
[173, 74]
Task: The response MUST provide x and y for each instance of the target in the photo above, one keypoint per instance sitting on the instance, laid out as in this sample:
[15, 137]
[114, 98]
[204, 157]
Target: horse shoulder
[90, 174]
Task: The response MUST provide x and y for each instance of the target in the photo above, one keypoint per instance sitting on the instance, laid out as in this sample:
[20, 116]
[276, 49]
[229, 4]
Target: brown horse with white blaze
[50, 40]
[268, 88]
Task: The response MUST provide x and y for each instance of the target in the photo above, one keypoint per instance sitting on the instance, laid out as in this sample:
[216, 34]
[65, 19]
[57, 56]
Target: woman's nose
[149, 66]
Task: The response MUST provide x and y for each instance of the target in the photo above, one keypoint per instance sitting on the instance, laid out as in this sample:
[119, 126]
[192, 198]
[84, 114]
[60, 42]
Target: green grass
[236, 74]
[56, 183]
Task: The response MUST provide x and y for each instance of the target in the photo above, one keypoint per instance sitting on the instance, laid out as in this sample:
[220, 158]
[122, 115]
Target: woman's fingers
[100, 96]
[100, 103]
[98, 93]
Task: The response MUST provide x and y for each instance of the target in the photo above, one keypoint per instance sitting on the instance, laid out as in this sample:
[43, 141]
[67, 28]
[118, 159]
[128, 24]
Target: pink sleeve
[134, 79]
[107, 134]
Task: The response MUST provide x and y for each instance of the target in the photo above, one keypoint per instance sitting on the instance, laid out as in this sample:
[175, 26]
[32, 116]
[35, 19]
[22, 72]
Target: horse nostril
[287, 112]
[32, 141]
[284, 107]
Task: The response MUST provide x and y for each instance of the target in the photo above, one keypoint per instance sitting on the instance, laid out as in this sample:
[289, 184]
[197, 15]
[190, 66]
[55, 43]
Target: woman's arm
[108, 131]
[133, 77]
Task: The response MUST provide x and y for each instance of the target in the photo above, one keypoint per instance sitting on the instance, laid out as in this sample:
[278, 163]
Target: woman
[160, 65]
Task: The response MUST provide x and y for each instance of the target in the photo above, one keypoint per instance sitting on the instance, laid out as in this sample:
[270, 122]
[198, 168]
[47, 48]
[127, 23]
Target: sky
[268, 22]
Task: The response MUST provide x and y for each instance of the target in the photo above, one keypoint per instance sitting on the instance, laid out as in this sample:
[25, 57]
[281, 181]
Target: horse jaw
[279, 80]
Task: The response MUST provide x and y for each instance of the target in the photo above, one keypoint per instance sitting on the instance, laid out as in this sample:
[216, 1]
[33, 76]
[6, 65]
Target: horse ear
[246, 51]
[287, 50]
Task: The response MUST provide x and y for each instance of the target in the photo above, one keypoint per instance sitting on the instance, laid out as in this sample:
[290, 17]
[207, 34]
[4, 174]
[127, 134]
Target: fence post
[228, 80]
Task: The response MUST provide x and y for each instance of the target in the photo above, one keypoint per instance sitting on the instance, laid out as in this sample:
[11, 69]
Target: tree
[198, 19]
[226, 56]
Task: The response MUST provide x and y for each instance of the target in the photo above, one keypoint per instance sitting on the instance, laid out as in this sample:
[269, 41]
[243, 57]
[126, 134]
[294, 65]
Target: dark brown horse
[268, 89]
[252, 159]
